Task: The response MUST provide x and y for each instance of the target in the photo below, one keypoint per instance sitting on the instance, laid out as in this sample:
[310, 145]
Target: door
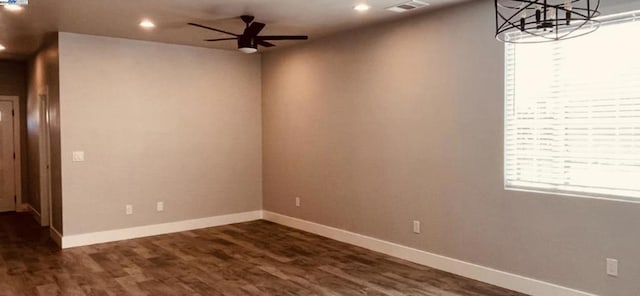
[7, 158]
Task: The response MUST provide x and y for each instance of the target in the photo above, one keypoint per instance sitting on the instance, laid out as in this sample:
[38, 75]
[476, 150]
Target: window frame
[619, 17]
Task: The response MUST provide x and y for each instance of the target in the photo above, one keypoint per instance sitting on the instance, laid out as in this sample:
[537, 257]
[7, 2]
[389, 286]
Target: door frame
[17, 166]
[44, 143]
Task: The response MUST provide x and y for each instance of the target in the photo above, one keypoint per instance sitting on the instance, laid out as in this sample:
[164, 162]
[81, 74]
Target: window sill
[633, 200]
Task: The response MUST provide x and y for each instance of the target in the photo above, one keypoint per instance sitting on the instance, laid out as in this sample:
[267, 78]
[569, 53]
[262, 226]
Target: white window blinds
[572, 113]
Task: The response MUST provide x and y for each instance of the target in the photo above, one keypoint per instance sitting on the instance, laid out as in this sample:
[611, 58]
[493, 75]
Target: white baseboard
[23, 207]
[55, 236]
[36, 215]
[77, 240]
[481, 273]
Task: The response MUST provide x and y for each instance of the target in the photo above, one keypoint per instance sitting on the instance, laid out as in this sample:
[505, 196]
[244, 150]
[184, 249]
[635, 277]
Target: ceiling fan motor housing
[247, 42]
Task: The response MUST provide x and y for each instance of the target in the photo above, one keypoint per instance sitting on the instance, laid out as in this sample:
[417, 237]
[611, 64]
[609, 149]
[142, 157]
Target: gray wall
[157, 122]
[377, 127]
[13, 82]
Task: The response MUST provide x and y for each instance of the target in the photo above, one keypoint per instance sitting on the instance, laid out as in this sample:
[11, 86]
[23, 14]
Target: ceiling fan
[249, 40]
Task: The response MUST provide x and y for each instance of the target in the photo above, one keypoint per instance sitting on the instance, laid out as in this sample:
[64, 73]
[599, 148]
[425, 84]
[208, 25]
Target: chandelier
[534, 21]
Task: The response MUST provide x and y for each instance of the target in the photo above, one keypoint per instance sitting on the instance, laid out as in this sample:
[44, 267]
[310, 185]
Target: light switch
[78, 155]
[160, 206]
[416, 226]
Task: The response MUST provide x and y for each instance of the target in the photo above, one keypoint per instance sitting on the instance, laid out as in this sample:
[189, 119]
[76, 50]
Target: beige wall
[44, 71]
[157, 122]
[375, 128]
[36, 78]
[13, 82]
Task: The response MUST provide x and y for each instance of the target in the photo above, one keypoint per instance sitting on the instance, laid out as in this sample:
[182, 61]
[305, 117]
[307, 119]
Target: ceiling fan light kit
[535, 21]
[247, 46]
[249, 40]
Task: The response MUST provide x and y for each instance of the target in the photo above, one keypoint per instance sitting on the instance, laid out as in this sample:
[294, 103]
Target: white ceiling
[22, 32]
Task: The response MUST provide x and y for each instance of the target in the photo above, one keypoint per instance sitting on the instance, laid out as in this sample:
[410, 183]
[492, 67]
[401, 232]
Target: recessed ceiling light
[13, 7]
[362, 7]
[2, 47]
[147, 24]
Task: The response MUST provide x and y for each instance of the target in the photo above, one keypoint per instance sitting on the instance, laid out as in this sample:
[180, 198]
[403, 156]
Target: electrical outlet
[416, 226]
[612, 267]
[297, 201]
[160, 206]
[129, 210]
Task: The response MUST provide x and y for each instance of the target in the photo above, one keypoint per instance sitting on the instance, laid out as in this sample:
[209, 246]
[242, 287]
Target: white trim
[17, 137]
[45, 156]
[55, 236]
[631, 200]
[22, 207]
[36, 215]
[70, 241]
[481, 273]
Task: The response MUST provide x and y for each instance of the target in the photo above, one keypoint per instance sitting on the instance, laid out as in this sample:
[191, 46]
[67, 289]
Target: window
[572, 113]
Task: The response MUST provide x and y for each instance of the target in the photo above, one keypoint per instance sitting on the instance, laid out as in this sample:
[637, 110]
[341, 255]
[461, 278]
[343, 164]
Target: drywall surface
[44, 82]
[377, 127]
[156, 122]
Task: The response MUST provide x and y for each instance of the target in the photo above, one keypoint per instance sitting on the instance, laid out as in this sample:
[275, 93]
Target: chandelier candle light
[534, 21]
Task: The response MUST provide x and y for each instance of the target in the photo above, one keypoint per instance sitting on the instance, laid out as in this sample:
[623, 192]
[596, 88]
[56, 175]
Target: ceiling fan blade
[221, 39]
[265, 43]
[254, 29]
[283, 37]
[213, 29]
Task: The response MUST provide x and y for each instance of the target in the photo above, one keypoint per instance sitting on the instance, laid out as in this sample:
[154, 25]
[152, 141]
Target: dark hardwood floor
[255, 258]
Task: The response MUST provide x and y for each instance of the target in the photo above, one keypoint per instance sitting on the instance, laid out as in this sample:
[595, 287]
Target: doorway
[10, 177]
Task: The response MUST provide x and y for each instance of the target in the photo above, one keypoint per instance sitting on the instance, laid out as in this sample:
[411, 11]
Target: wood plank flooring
[255, 258]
